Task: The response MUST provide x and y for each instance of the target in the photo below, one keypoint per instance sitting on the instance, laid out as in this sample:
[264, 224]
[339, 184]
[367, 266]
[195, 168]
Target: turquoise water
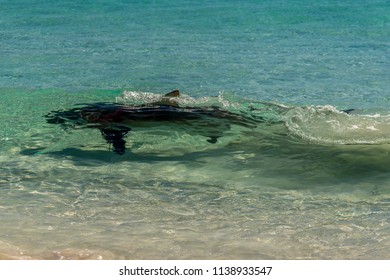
[309, 182]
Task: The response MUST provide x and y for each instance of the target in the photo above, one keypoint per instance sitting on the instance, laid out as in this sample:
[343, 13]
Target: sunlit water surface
[308, 182]
[262, 192]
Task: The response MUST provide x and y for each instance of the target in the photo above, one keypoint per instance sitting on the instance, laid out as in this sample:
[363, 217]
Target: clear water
[311, 182]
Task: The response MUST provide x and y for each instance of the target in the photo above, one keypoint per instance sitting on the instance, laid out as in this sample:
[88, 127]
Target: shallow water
[66, 195]
[308, 182]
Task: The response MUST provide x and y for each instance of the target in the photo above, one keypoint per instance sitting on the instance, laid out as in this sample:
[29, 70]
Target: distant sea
[309, 181]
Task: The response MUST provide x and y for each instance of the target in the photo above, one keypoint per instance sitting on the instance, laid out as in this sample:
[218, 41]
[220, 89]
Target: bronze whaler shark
[115, 120]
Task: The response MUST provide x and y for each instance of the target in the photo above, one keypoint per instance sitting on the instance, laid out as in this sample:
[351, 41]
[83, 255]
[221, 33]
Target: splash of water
[327, 125]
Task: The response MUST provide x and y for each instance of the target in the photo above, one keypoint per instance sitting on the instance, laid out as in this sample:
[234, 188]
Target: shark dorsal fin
[174, 93]
[168, 100]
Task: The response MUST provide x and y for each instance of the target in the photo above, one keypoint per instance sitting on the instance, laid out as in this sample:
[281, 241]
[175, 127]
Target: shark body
[115, 120]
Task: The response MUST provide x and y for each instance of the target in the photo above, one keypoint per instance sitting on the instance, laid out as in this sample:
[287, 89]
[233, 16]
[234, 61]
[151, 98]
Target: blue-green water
[310, 182]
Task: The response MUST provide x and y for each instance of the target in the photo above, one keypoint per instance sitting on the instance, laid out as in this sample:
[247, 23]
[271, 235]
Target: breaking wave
[317, 124]
[327, 125]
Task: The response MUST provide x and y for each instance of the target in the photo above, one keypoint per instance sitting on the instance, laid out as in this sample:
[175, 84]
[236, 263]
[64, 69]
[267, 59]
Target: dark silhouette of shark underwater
[115, 120]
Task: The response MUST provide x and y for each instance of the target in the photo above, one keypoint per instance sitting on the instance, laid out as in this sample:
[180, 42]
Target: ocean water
[309, 181]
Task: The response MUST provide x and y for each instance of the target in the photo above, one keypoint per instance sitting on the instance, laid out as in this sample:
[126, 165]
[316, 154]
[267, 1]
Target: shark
[116, 120]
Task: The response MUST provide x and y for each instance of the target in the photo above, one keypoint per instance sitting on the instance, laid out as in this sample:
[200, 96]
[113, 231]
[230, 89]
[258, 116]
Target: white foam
[326, 124]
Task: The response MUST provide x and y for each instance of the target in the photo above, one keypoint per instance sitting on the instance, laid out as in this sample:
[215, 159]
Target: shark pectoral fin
[174, 93]
[115, 136]
[213, 139]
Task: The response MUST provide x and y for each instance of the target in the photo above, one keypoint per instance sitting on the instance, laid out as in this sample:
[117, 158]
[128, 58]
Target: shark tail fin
[174, 93]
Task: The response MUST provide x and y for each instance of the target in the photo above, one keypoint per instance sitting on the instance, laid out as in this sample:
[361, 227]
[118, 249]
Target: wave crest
[318, 124]
[327, 125]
